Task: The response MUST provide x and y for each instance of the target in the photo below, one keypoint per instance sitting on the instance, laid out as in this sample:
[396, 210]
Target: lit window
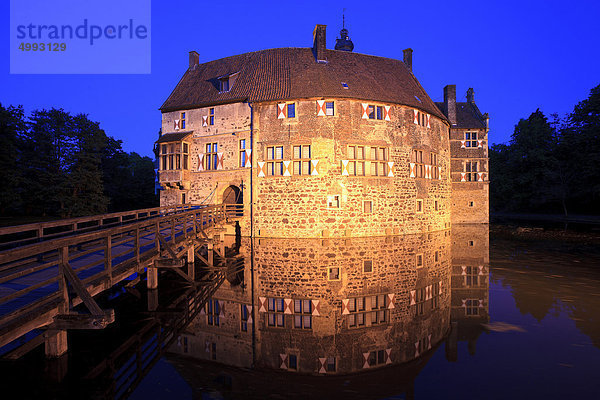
[329, 108]
[301, 159]
[174, 156]
[302, 314]
[274, 167]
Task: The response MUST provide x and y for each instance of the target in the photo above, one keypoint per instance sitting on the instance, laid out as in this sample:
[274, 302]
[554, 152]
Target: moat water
[460, 316]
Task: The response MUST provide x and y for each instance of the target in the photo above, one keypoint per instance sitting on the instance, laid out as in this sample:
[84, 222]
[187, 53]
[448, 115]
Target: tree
[12, 129]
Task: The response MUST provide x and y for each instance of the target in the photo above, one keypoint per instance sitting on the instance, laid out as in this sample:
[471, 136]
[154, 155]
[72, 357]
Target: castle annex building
[323, 143]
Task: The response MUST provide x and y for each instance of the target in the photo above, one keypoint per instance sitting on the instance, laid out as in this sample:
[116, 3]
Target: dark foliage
[550, 166]
[54, 164]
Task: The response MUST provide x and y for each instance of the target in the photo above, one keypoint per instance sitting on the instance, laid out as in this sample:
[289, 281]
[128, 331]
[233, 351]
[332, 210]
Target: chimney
[470, 95]
[450, 103]
[194, 59]
[486, 118]
[408, 58]
[319, 42]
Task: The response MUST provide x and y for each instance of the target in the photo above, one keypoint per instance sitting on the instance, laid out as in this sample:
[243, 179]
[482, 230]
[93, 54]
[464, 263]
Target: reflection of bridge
[46, 269]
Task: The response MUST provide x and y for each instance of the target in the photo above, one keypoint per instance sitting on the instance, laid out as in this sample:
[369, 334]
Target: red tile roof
[293, 73]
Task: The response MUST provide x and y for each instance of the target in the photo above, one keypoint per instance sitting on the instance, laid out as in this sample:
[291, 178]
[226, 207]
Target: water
[471, 319]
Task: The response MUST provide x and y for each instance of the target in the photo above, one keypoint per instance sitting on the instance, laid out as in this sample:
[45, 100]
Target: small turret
[344, 43]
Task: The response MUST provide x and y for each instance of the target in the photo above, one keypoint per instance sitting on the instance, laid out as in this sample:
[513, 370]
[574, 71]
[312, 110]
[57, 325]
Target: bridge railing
[36, 232]
[33, 286]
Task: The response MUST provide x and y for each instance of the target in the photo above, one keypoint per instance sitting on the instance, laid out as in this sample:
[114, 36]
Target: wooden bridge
[47, 269]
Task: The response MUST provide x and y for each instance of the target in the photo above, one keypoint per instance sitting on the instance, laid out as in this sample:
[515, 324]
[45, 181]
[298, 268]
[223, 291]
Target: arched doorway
[233, 195]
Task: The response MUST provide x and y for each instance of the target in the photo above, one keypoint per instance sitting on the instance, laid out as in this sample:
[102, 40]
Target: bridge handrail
[72, 225]
[12, 261]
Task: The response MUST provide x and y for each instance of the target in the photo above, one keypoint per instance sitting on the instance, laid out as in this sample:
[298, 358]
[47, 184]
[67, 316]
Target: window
[420, 165]
[302, 314]
[174, 156]
[471, 243]
[301, 159]
[224, 84]
[275, 316]
[421, 118]
[471, 204]
[471, 276]
[471, 171]
[436, 206]
[472, 307]
[376, 357]
[291, 110]
[344, 85]
[471, 139]
[333, 201]
[375, 112]
[182, 198]
[244, 317]
[210, 157]
[182, 120]
[274, 167]
[367, 266]
[436, 256]
[368, 310]
[330, 364]
[419, 260]
[329, 110]
[333, 273]
[292, 362]
[367, 206]
[435, 173]
[213, 351]
[420, 301]
[378, 157]
[435, 293]
[213, 308]
[242, 150]
[211, 116]
[419, 205]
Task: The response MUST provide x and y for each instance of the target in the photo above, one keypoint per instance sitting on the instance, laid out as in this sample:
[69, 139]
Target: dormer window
[224, 84]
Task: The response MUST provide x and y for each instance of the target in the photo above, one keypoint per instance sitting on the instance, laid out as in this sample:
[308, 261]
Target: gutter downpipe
[252, 156]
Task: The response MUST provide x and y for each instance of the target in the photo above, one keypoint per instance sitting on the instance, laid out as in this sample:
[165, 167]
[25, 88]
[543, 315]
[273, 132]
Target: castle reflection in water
[339, 306]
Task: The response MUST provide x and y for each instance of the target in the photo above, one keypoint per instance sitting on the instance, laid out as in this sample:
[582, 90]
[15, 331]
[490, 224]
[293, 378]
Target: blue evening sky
[518, 55]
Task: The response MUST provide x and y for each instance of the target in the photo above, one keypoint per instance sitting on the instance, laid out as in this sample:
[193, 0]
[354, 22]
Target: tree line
[54, 164]
[550, 165]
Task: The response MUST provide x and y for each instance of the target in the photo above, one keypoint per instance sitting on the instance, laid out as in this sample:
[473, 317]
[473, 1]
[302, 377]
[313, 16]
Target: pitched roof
[293, 73]
[173, 137]
[468, 115]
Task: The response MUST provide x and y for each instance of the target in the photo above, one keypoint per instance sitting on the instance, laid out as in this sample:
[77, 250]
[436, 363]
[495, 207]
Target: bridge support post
[191, 261]
[56, 343]
[210, 253]
[152, 299]
[152, 279]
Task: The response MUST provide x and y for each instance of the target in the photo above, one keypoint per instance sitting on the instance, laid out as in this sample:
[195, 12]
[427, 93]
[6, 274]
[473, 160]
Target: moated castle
[323, 143]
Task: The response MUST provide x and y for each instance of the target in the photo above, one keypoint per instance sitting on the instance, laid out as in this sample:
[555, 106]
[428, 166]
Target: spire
[344, 43]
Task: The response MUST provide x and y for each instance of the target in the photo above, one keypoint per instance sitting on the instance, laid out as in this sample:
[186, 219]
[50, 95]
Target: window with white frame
[174, 156]
[211, 158]
[302, 314]
[275, 160]
[301, 159]
[471, 139]
[329, 108]
[275, 315]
